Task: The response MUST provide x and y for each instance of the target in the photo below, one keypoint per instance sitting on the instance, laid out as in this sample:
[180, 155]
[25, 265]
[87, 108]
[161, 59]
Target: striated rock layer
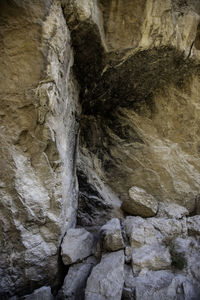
[106, 92]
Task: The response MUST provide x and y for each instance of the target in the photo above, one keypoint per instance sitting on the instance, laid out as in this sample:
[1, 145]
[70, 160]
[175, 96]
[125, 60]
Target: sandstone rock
[140, 203]
[154, 257]
[107, 278]
[144, 144]
[44, 293]
[193, 224]
[112, 235]
[137, 67]
[75, 282]
[141, 232]
[77, 244]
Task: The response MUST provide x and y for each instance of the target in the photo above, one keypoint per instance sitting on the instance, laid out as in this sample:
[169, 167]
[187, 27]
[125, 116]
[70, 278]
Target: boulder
[44, 293]
[75, 282]
[140, 232]
[140, 203]
[77, 244]
[112, 236]
[107, 278]
[154, 257]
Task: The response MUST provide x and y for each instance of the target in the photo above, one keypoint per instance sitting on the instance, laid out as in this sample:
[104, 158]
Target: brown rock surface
[38, 100]
[136, 65]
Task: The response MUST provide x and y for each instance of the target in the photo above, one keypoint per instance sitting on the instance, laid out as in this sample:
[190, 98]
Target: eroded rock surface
[39, 100]
[107, 92]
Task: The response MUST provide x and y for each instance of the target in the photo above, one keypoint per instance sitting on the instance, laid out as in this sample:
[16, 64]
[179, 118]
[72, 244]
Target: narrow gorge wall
[39, 105]
[100, 118]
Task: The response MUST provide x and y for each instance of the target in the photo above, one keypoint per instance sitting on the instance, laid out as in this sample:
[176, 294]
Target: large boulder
[107, 278]
[77, 244]
[140, 203]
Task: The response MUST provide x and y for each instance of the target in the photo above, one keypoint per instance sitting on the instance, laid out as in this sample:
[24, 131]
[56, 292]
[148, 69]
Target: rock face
[99, 122]
[39, 99]
[142, 89]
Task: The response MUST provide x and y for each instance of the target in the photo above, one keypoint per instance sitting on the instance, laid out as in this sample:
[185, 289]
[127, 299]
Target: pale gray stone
[75, 282]
[112, 236]
[172, 210]
[169, 228]
[77, 244]
[44, 293]
[152, 285]
[154, 257]
[140, 232]
[107, 278]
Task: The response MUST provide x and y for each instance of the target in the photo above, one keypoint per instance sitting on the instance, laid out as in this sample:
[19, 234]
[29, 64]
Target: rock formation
[100, 149]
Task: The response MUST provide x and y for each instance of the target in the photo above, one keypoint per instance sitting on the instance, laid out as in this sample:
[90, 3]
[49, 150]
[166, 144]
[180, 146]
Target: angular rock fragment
[74, 284]
[140, 232]
[154, 257]
[44, 293]
[169, 228]
[153, 285]
[182, 287]
[77, 244]
[140, 203]
[112, 236]
[107, 278]
[172, 210]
